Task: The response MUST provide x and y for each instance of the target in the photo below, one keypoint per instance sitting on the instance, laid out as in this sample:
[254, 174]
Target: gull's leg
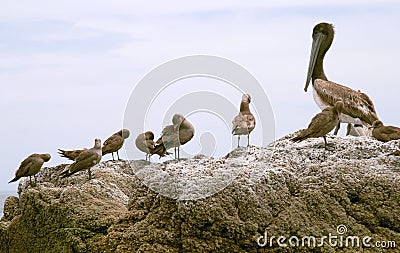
[327, 145]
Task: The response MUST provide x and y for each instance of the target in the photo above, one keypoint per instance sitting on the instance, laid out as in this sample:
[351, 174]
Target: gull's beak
[317, 40]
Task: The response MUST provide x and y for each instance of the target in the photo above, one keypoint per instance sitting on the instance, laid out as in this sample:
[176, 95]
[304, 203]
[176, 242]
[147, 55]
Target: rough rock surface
[287, 189]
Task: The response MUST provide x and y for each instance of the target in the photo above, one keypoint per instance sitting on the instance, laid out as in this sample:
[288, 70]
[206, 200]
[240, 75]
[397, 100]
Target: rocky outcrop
[215, 204]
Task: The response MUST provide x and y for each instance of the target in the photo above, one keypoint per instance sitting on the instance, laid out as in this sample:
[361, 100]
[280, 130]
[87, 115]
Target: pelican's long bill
[317, 40]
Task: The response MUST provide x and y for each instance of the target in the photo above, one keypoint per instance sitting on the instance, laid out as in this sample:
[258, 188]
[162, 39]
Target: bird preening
[115, 142]
[337, 102]
[31, 166]
[173, 136]
[145, 143]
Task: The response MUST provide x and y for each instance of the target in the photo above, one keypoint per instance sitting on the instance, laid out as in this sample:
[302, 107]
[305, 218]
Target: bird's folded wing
[25, 165]
[239, 122]
[390, 130]
[356, 104]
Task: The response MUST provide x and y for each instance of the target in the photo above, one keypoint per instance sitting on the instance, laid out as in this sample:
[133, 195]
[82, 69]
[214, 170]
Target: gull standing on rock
[173, 136]
[145, 143]
[31, 166]
[115, 142]
[385, 133]
[357, 105]
[322, 123]
[85, 160]
[244, 122]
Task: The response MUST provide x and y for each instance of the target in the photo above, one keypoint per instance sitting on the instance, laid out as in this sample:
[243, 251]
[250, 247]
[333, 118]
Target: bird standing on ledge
[357, 105]
[244, 122]
[322, 123]
[173, 136]
[145, 143]
[85, 160]
[31, 166]
[115, 142]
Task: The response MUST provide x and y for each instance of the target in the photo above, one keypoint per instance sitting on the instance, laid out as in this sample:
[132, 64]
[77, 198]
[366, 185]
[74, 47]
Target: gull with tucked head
[173, 136]
[115, 142]
[145, 143]
[31, 166]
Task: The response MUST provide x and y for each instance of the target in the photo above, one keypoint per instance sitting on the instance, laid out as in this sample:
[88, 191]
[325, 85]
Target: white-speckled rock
[206, 204]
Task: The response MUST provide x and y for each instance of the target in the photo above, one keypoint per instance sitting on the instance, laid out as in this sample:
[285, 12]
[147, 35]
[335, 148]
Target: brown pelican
[385, 133]
[31, 166]
[85, 160]
[115, 142]
[357, 105]
[244, 122]
[173, 136]
[145, 143]
[322, 123]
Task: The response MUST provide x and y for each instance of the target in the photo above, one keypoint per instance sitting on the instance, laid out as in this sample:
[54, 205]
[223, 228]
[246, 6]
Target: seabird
[85, 160]
[385, 133]
[322, 123]
[173, 136]
[70, 154]
[145, 143]
[244, 122]
[357, 105]
[31, 166]
[115, 142]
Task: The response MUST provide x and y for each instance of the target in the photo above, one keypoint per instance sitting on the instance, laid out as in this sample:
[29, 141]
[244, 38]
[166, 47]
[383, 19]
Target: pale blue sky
[67, 68]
